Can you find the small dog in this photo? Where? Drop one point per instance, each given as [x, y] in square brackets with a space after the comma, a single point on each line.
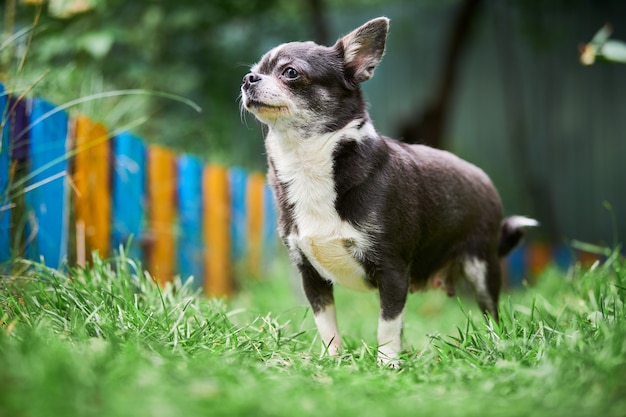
[362, 210]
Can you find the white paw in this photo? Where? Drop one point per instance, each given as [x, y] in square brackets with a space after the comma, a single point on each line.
[388, 357]
[332, 349]
[389, 362]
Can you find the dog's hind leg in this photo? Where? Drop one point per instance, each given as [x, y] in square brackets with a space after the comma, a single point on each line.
[485, 278]
[319, 292]
[393, 289]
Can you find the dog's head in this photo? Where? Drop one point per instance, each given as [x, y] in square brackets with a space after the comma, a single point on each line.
[311, 89]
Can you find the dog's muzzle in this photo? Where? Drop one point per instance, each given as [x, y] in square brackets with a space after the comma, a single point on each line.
[249, 80]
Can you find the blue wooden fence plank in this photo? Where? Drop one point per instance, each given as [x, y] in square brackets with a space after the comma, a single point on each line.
[46, 189]
[269, 238]
[20, 129]
[128, 193]
[563, 256]
[190, 248]
[5, 212]
[516, 266]
[238, 180]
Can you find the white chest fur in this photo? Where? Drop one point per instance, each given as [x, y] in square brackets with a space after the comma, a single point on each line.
[330, 244]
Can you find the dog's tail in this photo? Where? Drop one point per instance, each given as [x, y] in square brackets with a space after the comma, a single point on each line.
[512, 231]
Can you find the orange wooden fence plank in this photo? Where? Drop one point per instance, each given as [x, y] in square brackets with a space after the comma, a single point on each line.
[91, 178]
[538, 256]
[587, 259]
[216, 207]
[161, 213]
[254, 209]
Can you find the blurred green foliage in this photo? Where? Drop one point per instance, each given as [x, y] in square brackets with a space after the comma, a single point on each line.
[194, 48]
[602, 47]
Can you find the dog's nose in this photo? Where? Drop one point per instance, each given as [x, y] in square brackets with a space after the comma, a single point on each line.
[251, 78]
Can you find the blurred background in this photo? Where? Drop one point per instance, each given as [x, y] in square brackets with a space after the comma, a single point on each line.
[499, 82]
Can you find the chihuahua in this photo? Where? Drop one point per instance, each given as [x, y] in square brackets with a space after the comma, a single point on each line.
[362, 210]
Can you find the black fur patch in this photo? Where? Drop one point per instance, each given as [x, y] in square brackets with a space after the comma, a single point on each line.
[355, 165]
[318, 290]
[424, 207]
[286, 222]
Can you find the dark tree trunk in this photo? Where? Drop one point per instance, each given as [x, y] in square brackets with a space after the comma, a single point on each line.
[537, 189]
[428, 125]
[319, 23]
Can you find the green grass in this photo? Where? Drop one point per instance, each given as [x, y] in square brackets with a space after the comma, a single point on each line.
[108, 342]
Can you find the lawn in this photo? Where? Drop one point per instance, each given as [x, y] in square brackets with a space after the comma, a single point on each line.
[106, 341]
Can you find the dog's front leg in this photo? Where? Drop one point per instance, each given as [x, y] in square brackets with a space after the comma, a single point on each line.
[393, 290]
[319, 292]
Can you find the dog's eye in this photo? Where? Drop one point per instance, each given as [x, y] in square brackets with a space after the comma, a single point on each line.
[290, 73]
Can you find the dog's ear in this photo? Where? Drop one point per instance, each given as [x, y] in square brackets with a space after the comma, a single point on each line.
[363, 48]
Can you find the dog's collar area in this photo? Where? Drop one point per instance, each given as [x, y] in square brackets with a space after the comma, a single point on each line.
[357, 130]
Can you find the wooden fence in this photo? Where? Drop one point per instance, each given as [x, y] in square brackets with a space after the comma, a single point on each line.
[82, 191]
[86, 191]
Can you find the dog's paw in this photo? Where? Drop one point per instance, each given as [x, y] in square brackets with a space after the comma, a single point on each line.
[389, 360]
[332, 350]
